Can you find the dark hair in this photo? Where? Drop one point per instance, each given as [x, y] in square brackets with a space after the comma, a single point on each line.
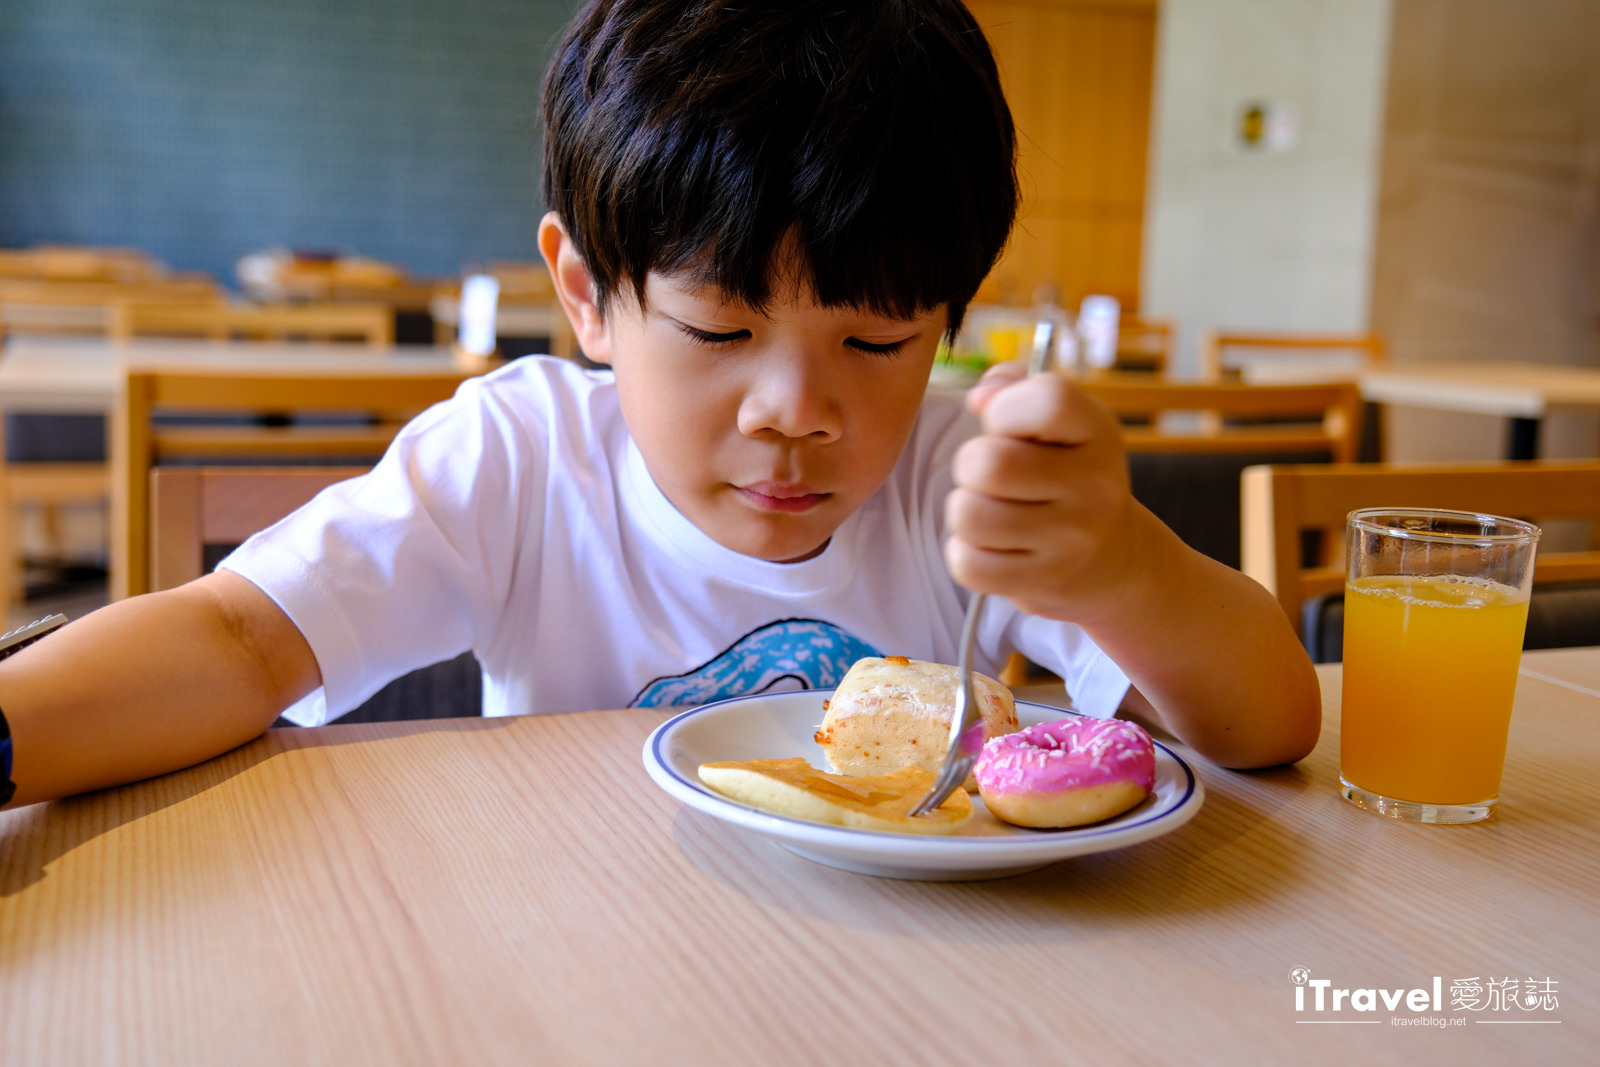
[704, 136]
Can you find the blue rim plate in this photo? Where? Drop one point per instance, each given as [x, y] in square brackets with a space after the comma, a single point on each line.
[779, 725]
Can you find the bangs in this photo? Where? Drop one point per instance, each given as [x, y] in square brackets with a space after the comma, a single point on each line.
[735, 148]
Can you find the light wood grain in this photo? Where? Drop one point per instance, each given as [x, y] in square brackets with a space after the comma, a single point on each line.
[193, 507]
[61, 375]
[1078, 76]
[1326, 417]
[389, 394]
[371, 323]
[517, 891]
[1368, 348]
[1517, 390]
[1512, 390]
[78, 263]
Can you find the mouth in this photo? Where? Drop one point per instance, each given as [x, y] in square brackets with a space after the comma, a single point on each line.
[787, 497]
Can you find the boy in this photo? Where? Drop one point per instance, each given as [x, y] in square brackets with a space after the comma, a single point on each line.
[764, 217]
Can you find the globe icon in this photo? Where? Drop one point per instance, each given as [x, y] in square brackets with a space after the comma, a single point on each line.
[1300, 975]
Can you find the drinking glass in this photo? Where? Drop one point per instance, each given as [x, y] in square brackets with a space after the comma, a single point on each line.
[1435, 607]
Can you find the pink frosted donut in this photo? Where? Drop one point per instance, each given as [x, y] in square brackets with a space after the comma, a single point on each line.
[1067, 773]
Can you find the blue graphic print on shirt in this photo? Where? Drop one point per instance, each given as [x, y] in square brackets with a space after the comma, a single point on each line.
[791, 654]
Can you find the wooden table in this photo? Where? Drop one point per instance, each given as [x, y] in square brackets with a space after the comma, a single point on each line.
[78, 375]
[1523, 393]
[517, 891]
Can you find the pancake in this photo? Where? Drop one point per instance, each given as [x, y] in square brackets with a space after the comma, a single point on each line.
[794, 788]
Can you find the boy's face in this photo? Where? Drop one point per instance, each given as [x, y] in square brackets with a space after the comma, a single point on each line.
[766, 430]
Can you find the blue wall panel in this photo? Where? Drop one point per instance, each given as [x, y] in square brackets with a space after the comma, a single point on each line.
[199, 130]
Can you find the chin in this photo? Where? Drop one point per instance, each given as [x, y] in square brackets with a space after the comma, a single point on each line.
[783, 551]
[780, 547]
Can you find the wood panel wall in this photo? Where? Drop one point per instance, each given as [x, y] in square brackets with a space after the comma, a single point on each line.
[1078, 74]
[1488, 238]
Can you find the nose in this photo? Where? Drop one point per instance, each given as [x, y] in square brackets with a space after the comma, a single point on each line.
[794, 395]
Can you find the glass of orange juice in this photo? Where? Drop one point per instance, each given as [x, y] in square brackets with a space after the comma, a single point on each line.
[1434, 611]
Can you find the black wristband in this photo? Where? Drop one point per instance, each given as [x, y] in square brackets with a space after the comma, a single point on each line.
[10, 644]
[8, 788]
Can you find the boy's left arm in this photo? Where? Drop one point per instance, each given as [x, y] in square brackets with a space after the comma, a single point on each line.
[1042, 514]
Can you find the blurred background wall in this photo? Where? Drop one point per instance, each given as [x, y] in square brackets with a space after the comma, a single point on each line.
[1439, 181]
[1078, 76]
[1275, 235]
[1488, 227]
[202, 129]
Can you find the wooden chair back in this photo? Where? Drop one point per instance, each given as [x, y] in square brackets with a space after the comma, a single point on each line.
[528, 299]
[193, 508]
[1144, 345]
[527, 307]
[372, 324]
[1234, 418]
[201, 508]
[1278, 503]
[68, 290]
[1215, 347]
[386, 397]
[523, 280]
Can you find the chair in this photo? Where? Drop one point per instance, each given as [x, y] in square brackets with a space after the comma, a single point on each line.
[1281, 504]
[55, 461]
[370, 323]
[1232, 417]
[48, 485]
[527, 310]
[1144, 345]
[1188, 475]
[1214, 362]
[196, 508]
[198, 511]
[383, 399]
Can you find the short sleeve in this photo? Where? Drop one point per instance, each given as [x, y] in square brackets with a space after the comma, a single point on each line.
[1093, 680]
[408, 564]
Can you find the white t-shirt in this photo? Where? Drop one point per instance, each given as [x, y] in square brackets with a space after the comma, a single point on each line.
[518, 520]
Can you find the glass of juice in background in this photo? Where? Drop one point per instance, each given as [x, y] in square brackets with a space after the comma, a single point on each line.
[1434, 611]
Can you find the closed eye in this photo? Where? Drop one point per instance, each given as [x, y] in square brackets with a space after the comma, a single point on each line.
[884, 348]
[706, 337]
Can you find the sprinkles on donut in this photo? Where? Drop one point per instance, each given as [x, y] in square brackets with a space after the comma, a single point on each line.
[1066, 773]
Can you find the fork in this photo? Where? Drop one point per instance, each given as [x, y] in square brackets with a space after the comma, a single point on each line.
[966, 725]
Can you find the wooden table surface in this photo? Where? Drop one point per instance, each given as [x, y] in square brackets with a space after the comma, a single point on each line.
[517, 891]
[1512, 390]
[79, 375]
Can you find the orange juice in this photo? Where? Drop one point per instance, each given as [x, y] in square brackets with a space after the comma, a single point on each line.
[1430, 666]
[1004, 344]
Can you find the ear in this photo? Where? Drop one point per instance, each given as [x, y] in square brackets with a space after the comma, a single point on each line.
[575, 289]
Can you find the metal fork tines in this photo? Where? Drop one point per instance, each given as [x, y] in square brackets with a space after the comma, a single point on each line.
[966, 725]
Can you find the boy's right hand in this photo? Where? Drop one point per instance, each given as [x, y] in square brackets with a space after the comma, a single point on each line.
[1041, 512]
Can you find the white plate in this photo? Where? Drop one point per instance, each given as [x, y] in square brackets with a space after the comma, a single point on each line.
[779, 725]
